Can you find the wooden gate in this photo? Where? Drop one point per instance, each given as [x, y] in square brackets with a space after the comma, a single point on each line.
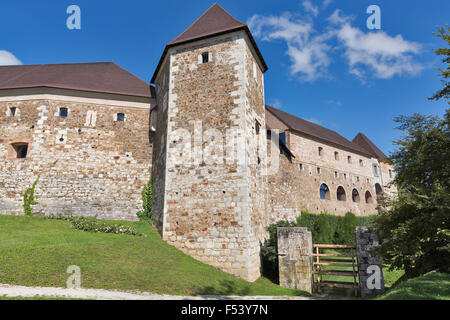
[346, 263]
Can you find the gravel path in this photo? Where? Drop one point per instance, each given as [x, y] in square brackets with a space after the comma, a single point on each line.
[101, 294]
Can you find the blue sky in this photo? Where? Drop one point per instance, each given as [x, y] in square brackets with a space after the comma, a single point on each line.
[325, 65]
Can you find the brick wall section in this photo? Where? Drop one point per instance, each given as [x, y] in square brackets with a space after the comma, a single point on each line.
[96, 170]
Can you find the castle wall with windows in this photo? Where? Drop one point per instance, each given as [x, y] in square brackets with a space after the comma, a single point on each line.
[91, 151]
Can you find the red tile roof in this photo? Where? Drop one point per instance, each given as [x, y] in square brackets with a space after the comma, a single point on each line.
[215, 21]
[313, 130]
[369, 146]
[104, 77]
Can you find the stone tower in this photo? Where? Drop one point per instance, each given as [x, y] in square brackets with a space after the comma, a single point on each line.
[209, 156]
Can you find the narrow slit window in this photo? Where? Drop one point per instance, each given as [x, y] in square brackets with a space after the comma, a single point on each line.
[257, 127]
[12, 111]
[336, 156]
[63, 112]
[349, 159]
[320, 150]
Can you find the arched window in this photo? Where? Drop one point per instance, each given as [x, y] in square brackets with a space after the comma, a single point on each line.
[324, 192]
[368, 197]
[355, 195]
[378, 189]
[341, 194]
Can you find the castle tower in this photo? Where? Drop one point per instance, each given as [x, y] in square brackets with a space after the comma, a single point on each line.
[209, 153]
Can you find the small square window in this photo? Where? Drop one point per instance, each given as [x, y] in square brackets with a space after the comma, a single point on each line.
[21, 150]
[121, 117]
[205, 57]
[12, 111]
[63, 112]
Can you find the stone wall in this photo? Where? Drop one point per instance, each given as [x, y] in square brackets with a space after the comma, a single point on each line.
[211, 199]
[370, 268]
[295, 187]
[89, 163]
[295, 261]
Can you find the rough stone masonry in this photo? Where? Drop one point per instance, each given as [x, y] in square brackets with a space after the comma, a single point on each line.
[94, 133]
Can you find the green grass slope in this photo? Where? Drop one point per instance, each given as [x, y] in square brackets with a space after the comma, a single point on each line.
[36, 252]
[432, 286]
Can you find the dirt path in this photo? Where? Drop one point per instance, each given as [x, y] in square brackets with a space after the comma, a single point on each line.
[101, 294]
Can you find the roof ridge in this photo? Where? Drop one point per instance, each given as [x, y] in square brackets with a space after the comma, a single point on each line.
[58, 64]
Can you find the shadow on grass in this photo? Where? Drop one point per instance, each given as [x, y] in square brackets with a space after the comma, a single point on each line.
[225, 288]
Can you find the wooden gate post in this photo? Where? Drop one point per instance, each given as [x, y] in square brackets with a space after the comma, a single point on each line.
[370, 270]
[295, 258]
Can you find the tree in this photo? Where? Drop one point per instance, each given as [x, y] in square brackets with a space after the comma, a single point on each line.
[415, 230]
[444, 33]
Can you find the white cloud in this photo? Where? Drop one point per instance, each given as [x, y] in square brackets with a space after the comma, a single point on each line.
[334, 102]
[384, 56]
[371, 53]
[307, 52]
[314, 120]
[8, 59]
[276, 103]
[326, 3]
[309, 7]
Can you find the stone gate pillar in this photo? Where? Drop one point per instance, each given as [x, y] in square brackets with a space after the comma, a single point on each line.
[370, 270]
[295, 258]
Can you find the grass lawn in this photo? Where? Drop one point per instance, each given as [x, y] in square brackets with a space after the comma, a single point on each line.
[432, 286]
[36, 252]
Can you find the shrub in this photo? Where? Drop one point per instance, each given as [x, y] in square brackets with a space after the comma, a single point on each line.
[94, 225]
[323, 230]
[147, 202]
[345, 229]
